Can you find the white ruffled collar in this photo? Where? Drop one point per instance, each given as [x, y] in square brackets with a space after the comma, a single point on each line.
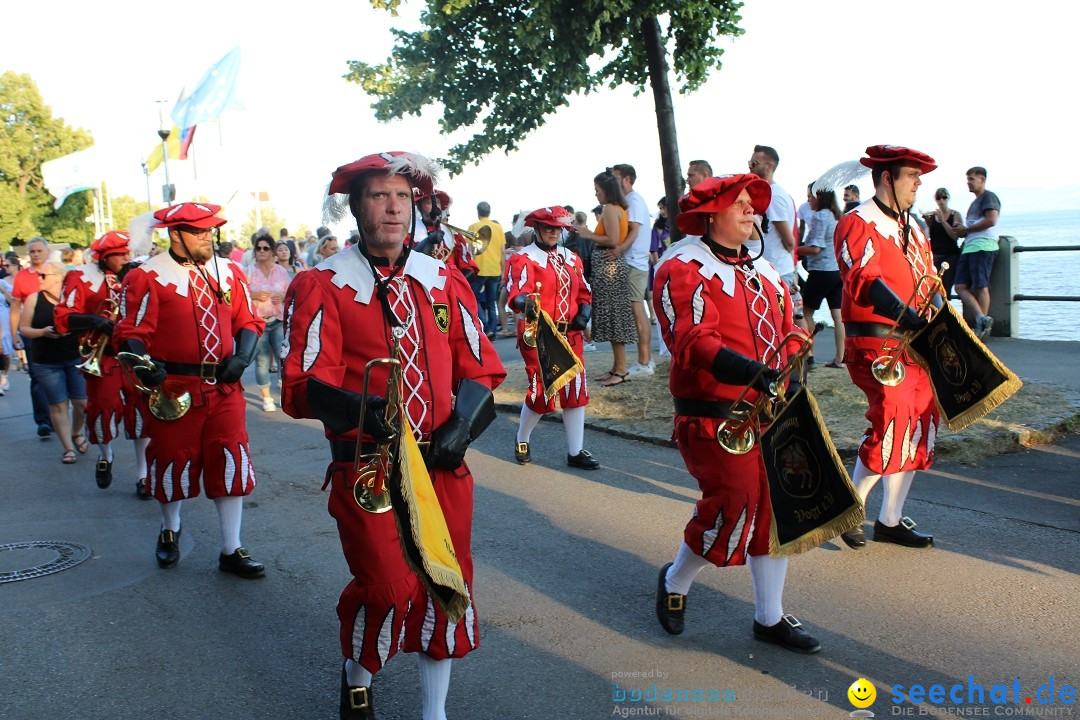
[351, 269]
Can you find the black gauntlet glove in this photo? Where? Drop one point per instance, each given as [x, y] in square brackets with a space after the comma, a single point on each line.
[473, 412]
[339, 410]
[428, 244]
[81, 322]
[232, 368]
[149, 378]
[886, 303]
[524, 303]
[734, 368]
[581, 320]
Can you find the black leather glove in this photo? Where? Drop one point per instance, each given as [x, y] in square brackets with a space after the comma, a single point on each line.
[232, 368]
[339, 410]
[473, 412]
[148, 377]
[84, 322]
[886, 302]
[734, 368]
[427, 245]
[581, 320]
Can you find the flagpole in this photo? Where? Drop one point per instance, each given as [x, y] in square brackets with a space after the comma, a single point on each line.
[108, 201]
[163, 133]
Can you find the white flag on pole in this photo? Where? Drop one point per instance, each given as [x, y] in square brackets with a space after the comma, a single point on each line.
[69, 174]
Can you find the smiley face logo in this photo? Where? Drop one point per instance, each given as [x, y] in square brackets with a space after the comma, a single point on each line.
[862, 693]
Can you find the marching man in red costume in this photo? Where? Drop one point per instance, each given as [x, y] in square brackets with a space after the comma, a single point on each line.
[443, 243]
[190, 312]
[566, 297]
[882, 255]
[90, 296]
[340, 316]
[723, 314]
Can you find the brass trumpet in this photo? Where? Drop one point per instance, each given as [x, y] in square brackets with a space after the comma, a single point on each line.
[170, 401]
[887, 369]
[528, 335]
[477, 241]
[93, 347]
[372, 470]
[739, 438]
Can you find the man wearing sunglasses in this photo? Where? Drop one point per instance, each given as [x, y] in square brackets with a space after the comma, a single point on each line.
[25, 283]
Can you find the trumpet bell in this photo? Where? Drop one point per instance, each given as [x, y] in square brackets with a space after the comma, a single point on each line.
[736, 442]
[91, 366]
[528, 335]
[887, 371]
[171, 402]
[364, 491]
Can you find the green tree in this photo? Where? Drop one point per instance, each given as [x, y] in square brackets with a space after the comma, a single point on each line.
[270, 219]
[124, 208]
[509, 64]
[29, 136]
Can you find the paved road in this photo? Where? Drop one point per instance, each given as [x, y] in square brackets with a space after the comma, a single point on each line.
[566, 565]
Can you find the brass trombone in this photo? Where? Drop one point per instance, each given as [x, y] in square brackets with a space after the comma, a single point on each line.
[887, 368]
[528, 335]
[93, 347]
[170, 401]
[372, 470]
[738, 434]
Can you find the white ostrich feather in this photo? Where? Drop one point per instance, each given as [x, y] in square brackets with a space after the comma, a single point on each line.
[415, 164]
[840, 176]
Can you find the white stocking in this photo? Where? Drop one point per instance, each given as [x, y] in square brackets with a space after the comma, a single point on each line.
[682, 572]
[230, 512]
[105, 451]
[170, 516]
[356, 675]
[527, 423]
[863, 480]
[897, 486]
[434, 684]
[574, 423]
[767, 574]
[140, 457]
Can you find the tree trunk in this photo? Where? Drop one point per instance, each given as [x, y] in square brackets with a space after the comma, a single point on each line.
[665, 119]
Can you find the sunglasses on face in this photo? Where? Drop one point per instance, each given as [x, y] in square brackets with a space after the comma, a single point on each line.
[262, 247]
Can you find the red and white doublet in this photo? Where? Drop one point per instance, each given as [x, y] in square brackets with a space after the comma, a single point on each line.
[563, 290]
[705, 304]
[903, 419]
[110, 400]
[334, 325]
[174, 312]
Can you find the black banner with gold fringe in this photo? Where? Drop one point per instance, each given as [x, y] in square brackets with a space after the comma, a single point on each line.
[558, 363]
[967, 379]
[812, 497]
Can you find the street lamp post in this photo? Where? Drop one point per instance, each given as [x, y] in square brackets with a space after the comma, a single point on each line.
[168, 192]
[149, 201]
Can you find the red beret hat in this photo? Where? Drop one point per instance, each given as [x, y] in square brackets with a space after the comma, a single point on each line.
[111, 243]
[198, 215]
[444, 199]
[420, 171]
[550, 216]
[717, 193]
[882, 154]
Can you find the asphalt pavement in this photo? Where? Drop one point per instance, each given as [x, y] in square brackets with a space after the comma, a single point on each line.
[566, 566]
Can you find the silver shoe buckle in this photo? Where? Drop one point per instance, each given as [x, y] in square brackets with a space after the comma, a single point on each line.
[792, 621]
[907, 523]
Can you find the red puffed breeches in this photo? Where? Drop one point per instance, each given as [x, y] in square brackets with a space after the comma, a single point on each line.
[732, 518]
[208, 445]
[385, 608]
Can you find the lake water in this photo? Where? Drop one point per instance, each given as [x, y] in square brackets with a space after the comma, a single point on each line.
[1042, 273]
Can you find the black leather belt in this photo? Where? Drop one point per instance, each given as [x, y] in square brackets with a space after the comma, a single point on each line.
[344, 451]
[562, 326]
[203, 370]
[867, 329]
[702, 408]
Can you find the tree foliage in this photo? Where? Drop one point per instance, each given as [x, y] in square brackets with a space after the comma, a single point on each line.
[30, 136]
[268, 215]
[509, 64]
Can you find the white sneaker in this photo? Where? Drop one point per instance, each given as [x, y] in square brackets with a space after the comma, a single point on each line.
[268, 404]
[639, 369]
[589, 347]
[4, 384]
[983, 326]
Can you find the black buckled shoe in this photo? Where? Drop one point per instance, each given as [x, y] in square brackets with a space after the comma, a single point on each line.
[902, 534]
[788, 634]
[583, 460]
[103, 474]
[356, 702]
[168, 548]
[521, 453]
[240, 563]
[670, 607]
[142, 489]
[854, 538]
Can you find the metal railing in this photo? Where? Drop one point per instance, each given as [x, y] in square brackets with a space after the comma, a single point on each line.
[1005, 282]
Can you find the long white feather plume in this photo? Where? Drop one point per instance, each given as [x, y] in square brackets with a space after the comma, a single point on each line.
[415, 164]
[335, 207]
[840, 176]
